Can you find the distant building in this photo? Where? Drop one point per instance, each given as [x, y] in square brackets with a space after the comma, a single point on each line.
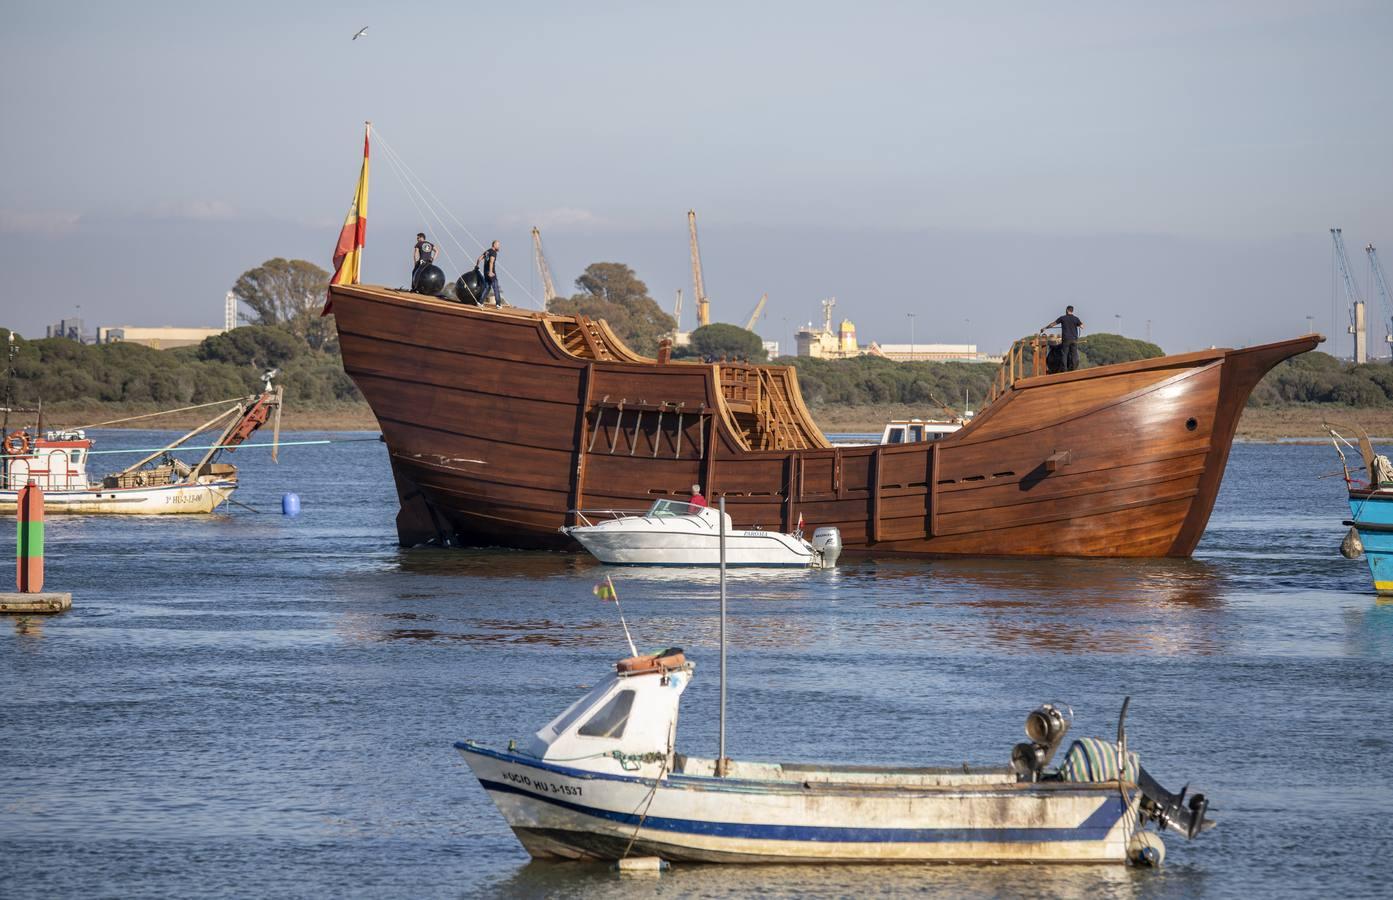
[931, 353]
[771, 348]
[157, 338]
[67, 328]
[824, 343]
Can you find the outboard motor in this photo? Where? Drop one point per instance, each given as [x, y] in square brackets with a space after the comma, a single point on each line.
[430, 280]
[828, 542]
[470, 288]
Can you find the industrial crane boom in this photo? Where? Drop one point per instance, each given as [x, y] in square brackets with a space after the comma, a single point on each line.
[548, 289]
[1356, 311]
[754, 316]
[702, 301]
[1381, 283]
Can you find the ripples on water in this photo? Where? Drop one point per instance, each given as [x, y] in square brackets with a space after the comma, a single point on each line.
[248, 704]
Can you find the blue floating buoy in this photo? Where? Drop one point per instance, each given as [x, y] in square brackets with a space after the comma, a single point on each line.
[290, 504]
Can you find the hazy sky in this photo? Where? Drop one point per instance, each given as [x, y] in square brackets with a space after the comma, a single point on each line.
[977, 165]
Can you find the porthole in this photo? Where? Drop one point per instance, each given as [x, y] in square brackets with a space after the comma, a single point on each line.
[1191, 424]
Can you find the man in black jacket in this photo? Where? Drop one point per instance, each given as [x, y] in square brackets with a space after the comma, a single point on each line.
[1069, 327]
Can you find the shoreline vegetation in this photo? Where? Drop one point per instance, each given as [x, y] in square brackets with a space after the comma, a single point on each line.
[1303, 422]
[93, 384]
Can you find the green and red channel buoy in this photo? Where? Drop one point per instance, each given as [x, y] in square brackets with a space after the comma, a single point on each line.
[29, 552]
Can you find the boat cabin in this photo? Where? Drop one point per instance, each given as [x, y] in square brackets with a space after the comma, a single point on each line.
[912, 431]
[631, 713]
[56, 462]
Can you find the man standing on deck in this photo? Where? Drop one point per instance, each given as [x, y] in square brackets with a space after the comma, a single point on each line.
[488, 268]
[423, 255]
[697, 503]
[1069, 327]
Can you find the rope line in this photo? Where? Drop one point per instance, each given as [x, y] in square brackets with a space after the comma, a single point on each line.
[219, 447]
[412, 189]
[163, 412]
[425, 187]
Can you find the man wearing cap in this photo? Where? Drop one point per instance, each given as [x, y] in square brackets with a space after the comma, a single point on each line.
[697, 503]
[423, 255]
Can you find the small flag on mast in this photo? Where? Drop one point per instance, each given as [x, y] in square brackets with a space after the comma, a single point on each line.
[348, 252]
[605, 591]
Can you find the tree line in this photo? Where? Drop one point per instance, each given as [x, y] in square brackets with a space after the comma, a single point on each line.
[284, 298]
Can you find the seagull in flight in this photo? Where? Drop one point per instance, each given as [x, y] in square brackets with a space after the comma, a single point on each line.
[361, 32]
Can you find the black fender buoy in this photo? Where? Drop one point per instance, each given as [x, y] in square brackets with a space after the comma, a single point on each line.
[430, 280]
[470, 287]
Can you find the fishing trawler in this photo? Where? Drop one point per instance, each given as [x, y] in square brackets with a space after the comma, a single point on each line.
[158, 484]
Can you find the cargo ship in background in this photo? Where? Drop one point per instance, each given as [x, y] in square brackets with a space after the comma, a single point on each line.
[502, 423]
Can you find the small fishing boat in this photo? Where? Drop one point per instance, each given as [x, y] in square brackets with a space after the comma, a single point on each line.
[674, 533]
[158, 484]
[603, 780]
[1370, 494]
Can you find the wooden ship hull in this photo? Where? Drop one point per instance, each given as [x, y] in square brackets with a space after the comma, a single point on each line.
[501, 423]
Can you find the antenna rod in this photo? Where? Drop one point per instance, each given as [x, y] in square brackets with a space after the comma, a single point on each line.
[721, 753]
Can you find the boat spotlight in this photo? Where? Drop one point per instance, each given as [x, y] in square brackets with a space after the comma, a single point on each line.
[1046, 727]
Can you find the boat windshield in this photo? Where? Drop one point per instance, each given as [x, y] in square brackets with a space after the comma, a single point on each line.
[662, 508]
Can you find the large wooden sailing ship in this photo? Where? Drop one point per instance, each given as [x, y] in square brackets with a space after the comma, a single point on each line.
[501, 423]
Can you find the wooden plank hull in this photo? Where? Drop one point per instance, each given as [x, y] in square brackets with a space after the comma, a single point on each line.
[497, 431]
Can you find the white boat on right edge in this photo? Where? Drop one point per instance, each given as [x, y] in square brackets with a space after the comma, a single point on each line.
[671, 533]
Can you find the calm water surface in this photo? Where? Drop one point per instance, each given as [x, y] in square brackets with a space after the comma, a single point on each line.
[245, 704]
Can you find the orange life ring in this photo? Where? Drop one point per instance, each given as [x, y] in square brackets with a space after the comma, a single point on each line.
[17, 443]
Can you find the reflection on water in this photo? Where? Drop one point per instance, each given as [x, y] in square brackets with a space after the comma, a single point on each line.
[594, 880]
[254, 704]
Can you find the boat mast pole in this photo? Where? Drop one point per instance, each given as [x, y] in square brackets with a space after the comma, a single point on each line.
[721, 753]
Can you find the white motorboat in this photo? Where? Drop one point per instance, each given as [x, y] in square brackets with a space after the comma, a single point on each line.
[673, 533]
[912, 431]
[603, 780]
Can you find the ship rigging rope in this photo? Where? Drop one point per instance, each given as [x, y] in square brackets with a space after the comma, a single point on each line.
[415, 183]
[375, 439]
[163, 412]
[412, 193]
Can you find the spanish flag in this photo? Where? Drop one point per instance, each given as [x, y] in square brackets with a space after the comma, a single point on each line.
[605, 591]
[348, 253]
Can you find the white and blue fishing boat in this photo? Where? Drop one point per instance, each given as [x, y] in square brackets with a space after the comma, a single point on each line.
[1371, 509]
[604, 780]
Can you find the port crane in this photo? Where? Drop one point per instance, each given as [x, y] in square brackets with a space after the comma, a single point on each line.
[1381, 285]
[1357, 325]
[548, 288]
[759, 310]
[703, 303]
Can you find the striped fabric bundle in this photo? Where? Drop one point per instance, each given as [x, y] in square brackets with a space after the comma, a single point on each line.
[1091, 760]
